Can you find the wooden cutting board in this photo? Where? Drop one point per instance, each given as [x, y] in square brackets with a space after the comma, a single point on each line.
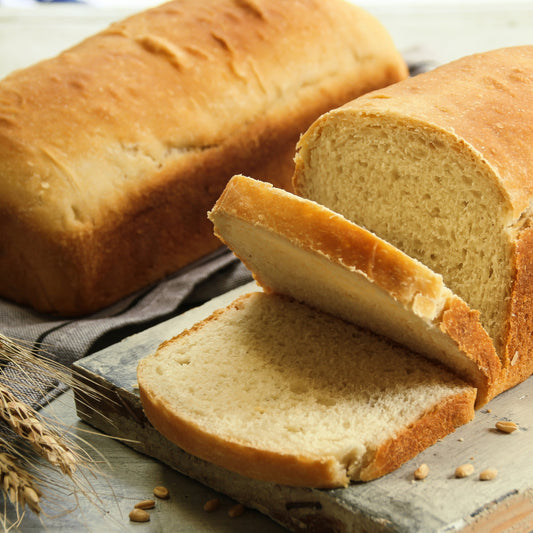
[394, 503]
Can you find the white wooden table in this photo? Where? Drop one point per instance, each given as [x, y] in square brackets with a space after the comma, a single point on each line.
[439, 31]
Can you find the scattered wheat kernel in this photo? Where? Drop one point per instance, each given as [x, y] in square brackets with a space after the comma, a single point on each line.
[460, 439]
[139, 515]
[212, 505]
[422, 471]
[161, 492]
[145, 504]
[506, 426]
[488, 474]
[464, 470]
[236, 510]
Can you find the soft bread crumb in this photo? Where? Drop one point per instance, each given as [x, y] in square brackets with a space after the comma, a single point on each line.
[330, 394]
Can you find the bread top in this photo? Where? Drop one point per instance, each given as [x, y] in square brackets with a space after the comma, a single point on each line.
[275, 390]
[301, 249]
[88, 132]
[485, 100]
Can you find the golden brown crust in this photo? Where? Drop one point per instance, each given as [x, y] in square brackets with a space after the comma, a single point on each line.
[463, 325]
[440, 421]
[495, 130]
[163, 108]
[518, 358]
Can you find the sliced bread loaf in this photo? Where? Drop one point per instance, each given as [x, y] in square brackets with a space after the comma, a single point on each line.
[299, 248]
[277, 391]
[440, 166]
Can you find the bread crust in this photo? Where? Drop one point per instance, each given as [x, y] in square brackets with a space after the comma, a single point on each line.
[518, 358]
[438, 422]
[341, 241]
[163, 108]
[317, 230]
[463, 325]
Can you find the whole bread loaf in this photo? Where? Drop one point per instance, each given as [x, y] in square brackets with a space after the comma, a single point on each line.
[281, 392]
[112, 152]
[301, 249]
[440, 165]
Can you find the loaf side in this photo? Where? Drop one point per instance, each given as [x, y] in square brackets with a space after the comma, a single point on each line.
[112, 152]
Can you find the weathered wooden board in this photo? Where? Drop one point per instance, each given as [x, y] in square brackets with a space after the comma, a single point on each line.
[394, 503]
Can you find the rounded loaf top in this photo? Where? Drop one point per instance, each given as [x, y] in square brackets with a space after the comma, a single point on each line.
[485, 100]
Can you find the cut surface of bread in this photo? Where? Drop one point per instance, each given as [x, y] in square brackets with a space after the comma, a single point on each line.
[277, 391]
[440, 166]
[301, 249]
[163, 108]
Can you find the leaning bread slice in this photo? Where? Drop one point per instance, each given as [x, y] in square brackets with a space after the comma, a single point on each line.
[278, 391]
[299, 248]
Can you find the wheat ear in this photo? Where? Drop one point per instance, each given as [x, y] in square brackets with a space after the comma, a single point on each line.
[18, 485]
[23, 421]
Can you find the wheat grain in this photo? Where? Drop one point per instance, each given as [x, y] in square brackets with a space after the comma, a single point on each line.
[23, 421]
[18, 484]
[24, 371]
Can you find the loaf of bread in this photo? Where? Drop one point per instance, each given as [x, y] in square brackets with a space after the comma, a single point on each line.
[112, 153]
[301, 249]
[441, 165]
[278, 391]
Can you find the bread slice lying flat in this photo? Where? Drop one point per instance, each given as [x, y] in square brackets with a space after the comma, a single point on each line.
[278, 391]
[299, 248]
[440, 165]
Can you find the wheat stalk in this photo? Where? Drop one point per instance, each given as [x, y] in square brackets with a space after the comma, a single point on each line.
[18, 485]
[22, 371]
[23, 421]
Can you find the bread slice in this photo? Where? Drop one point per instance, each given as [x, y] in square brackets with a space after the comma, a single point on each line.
[299, 248]
[163, 108]
[440, 166]
[277, 391]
